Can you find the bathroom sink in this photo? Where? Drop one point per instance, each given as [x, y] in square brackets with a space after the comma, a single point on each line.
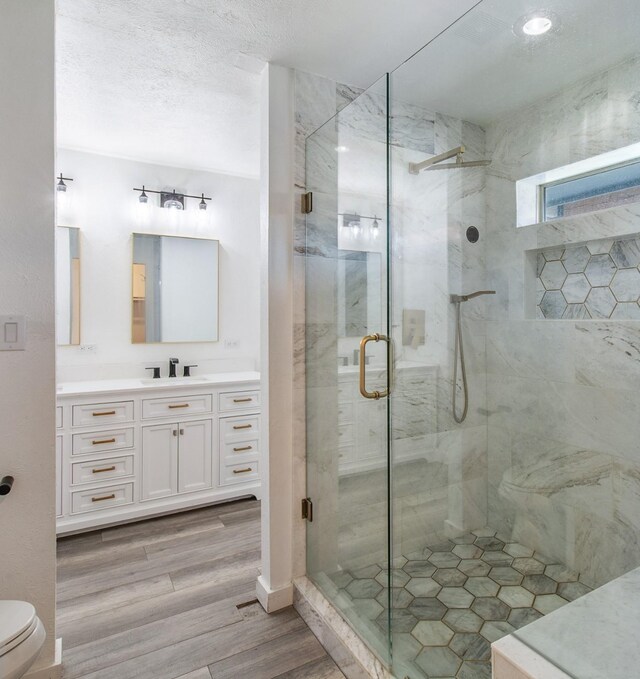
[167, 381]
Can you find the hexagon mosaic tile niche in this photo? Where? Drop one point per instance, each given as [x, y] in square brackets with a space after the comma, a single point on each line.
[600, 279]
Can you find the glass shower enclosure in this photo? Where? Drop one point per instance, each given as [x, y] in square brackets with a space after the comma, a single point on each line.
[472, 458]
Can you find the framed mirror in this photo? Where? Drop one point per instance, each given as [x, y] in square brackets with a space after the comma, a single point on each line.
[67, 281]
[174, 289]
[359, 292]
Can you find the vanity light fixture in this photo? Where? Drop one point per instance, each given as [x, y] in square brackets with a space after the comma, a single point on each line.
[171, 199]
[61, 186]
[354, 221]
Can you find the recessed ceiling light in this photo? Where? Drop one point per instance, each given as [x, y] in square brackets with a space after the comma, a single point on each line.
[537, 26]
[342, 149]
[535, 23]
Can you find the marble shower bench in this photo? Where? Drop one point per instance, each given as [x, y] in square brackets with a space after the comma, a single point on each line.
[594, 637]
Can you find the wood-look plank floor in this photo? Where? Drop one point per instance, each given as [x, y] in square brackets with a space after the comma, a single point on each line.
[174, 598]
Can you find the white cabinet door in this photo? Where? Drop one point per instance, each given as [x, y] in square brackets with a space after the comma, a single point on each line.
[159, 461]
[58, 475]
[194, 456]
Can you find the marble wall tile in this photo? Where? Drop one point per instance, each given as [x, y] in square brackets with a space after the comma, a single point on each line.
[607, 354]
[530, 349]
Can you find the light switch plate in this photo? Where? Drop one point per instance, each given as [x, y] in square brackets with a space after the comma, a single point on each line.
[12, 333]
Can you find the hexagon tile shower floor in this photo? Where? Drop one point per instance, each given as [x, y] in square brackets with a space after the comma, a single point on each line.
[456, 596]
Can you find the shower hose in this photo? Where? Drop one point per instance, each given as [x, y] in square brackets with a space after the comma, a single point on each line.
[459, 351]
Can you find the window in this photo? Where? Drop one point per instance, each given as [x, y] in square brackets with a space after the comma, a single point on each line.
[596, 190]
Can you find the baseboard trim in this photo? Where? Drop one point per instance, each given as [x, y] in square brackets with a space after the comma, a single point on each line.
[273, 599]
[53, 671]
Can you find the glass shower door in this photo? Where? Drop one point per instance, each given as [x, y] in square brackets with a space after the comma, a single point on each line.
[346, 326]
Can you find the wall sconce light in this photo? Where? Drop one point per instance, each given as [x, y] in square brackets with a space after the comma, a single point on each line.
[61, 186]
[354, 222]
[171, 199]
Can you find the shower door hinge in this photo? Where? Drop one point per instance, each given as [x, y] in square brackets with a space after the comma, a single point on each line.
[307, 203]
[307, 509]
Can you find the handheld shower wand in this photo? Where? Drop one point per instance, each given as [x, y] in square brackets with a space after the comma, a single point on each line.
[459, 349]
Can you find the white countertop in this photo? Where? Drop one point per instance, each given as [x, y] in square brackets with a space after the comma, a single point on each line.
[145, 384]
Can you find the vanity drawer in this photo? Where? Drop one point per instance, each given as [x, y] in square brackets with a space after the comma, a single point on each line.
[176, 407]
[238, 400]
[101, 470]
[59, 421]
[345, 413]
[239, 428]
[345, 434]
[102, 441]
[239, 473]
[97, 414]
[247, 449]
[101, 498]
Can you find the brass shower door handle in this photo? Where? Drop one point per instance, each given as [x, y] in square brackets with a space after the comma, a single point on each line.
[376, 337]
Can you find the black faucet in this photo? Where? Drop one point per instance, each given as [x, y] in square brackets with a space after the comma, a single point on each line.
[172, 366]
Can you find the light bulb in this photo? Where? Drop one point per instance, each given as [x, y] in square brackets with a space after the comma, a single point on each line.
[61, 186]
[202, 205]
[143, 198]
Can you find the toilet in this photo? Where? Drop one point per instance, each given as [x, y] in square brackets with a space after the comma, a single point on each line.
[21, 638]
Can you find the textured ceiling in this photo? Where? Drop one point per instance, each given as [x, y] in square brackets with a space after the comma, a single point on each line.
[177, 81]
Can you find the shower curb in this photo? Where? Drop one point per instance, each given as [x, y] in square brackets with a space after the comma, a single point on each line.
[346, 648]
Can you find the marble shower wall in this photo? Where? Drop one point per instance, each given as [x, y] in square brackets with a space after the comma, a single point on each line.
[563, 398]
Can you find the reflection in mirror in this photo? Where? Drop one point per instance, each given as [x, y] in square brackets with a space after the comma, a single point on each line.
[359, 292]
[175, 289]
[67, 285]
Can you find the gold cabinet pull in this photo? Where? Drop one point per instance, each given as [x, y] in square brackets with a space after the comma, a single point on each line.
[104, 497]
[99, 442]
[242, 400]
[106, 412]
[105, 469]
[376, 337]
[239, 450]
[242, 426]
[242, 471]
[180, 405]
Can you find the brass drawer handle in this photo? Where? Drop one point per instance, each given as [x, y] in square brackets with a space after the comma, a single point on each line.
[107, 412]
[242, 471]
[106, 469]
[242, 426]
[239, 450]
[181, 405]
[101, 441]
[242, 400]
[105, 497]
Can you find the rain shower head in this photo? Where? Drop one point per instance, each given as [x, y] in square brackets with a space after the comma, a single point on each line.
[434, 163]
[456, 299]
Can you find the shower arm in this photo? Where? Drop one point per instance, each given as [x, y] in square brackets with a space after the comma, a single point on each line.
[433, 163]
[456, 299]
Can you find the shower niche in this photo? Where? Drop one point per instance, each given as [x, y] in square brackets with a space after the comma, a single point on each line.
[599, 279]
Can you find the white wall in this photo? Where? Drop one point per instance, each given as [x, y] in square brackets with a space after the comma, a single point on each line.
[104, 207]
[27, 392]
